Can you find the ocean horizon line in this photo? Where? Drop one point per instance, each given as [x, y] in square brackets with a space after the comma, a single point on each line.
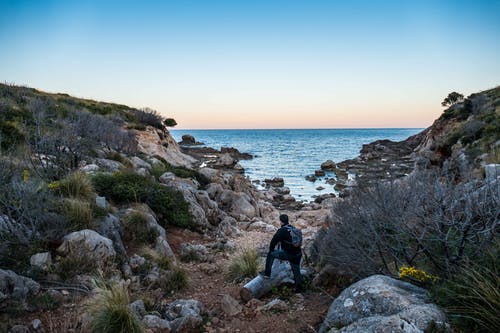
[298, 129]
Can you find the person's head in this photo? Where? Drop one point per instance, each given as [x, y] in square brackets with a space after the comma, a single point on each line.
[284, 219]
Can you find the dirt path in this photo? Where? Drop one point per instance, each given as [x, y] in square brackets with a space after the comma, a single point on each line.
[209, 283]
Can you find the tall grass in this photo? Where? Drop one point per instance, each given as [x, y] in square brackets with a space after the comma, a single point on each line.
[472, 296]
[110, 313]
[136, 228]
[78, 213]
[176, 279]
[244, 264]
[75, 185]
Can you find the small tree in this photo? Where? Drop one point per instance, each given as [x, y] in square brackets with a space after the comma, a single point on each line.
[170, 122]
[452, 99]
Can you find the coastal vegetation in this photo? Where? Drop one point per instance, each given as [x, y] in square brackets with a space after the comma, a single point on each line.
[81, 197]
[437, 227]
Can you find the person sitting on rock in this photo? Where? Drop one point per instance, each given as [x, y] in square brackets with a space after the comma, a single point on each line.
[291, 251]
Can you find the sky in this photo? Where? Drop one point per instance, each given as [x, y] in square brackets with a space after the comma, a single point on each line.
[259, 63]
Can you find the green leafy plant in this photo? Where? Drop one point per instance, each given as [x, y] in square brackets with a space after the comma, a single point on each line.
[284, 293]
[167, 203]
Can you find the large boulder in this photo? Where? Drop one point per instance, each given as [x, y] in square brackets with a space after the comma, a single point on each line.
[153, 142]
[381, 304]
[16, 288]
[156, 324]
[241, 205]
[189, 140]
[225, 161]
[185, 315]
[109, 165]
[139, 163]
[213, 175]
[89, 244]
[41, 260]
[212, 212]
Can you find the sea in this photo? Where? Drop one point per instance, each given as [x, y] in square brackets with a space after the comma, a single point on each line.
[292, 154]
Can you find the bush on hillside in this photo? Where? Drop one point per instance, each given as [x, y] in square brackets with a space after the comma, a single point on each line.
[148, 117]
[136, 229]
[167, 203]
[180, 171]
[423, 221]
[174, 280]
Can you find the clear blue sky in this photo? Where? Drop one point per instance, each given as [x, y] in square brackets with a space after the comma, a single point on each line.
[257, 64]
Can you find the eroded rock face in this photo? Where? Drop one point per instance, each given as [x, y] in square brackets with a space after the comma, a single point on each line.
[381, 304]
[90, 244]
[151, 143]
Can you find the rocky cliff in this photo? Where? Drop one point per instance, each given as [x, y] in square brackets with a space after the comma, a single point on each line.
[465, 139]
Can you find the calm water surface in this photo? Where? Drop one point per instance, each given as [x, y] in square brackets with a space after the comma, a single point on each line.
[294, 153]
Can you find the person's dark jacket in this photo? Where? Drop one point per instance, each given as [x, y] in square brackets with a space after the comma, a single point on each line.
[283, 235]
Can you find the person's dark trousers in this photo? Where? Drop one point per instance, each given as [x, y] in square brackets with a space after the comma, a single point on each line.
[294, 261]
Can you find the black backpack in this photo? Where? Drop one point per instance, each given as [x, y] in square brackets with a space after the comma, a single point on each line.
[296, 235]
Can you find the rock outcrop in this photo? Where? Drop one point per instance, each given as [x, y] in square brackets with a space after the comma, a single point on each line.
[89, 244]
[16, 288]
[380, 303]
[151, 143]
[185, 315]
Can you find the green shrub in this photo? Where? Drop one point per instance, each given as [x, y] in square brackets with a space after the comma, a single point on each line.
[159, 169]
[10, 134]
[78, 213]
[174, 280]
[116, 156]
[138, 127]
[182, 172]
[75, 185]
[168, 204]
[284, 293]
[109, 312]
[190, 255]
[136, 229]
[472, 296]
[244, 264]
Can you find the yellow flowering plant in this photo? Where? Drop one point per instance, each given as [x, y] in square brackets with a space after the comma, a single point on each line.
[411, 273]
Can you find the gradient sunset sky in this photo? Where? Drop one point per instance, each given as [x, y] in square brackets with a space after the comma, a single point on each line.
[257, 64]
